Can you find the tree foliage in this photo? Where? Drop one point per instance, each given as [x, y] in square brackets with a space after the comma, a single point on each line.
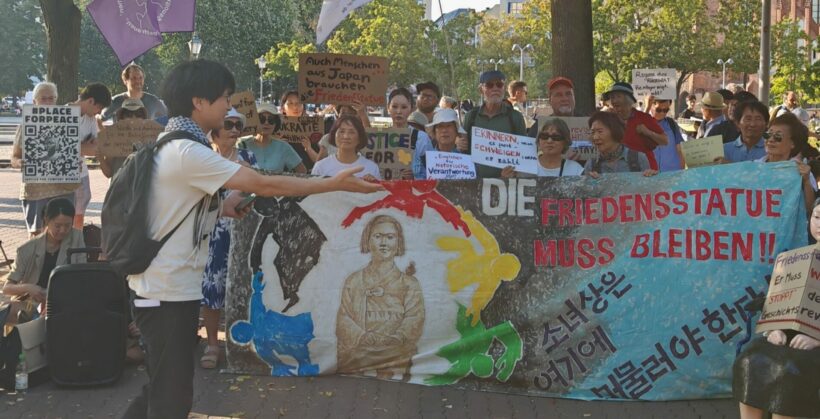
[23, 53]
[792, 69]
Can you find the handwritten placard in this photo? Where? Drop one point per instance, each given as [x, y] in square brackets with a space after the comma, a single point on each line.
[390, 149]
[579, 132]
[120, 139]
[659, 82]
[793, 300]
[449, 166]
[245, 104]
[499, 149]
[51, 144]
[295, 129]
[342, 79]
[703, 151]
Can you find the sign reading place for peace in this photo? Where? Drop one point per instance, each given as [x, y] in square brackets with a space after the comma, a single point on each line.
[659, 82]
[342, 79]
[245, 104]
[391, 149]
[623, 287]
[51, 144]
[122, 138]
[298, 128]
[500, 149]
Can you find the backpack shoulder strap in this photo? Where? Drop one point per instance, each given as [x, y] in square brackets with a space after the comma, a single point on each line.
[173, 135]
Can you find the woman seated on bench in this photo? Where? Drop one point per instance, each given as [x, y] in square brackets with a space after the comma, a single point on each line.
[36, 258]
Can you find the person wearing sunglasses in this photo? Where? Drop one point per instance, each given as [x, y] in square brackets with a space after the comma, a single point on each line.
[494, 114]
[669, 156]
[787, 139]
[553, 143]
[271, 154]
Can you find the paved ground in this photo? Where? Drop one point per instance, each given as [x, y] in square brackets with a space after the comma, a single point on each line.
[226, 395]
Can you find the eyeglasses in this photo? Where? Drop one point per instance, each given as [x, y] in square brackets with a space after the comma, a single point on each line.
[661, 110]
[267, 119]
[229, 125]
[551, 137]
[773, 136]
[497, 84]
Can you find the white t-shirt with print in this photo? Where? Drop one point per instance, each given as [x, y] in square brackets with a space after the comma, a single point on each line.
[571, 168]
[331, 165]
[184, 173]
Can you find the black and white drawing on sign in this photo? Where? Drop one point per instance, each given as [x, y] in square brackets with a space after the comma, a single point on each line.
[51, 144]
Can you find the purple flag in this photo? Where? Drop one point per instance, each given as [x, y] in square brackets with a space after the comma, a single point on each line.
[129, 26]
[175, 15]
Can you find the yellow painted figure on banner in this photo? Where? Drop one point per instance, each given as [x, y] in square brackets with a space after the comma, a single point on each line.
[381, 315]
[487, 268]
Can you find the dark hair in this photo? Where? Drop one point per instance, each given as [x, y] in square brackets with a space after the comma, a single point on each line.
[562, 128]
[364, 244]
[799, 133]
[752, 105]
[198, 78]
[57, 207]
[727, 94]
[744, 96]
[611, 121]
[285, 97]
[126, 72]
[277, 121]
[400, 91]
[98, 92]
[357, 123]
[340, 107]
[141, 114]
[691, 97]
[515, 86]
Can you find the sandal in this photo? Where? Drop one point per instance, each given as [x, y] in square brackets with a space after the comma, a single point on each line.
[210, 358]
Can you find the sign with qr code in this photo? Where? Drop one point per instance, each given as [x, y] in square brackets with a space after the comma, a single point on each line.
[51, 144]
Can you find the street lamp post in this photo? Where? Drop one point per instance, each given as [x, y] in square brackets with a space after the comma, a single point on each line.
[521, 62]
[496, 62]
[194, 46]
[262, 64]
[724, 64]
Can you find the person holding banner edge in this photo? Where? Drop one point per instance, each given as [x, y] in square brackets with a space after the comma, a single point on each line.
[780, 372]
[613, 157]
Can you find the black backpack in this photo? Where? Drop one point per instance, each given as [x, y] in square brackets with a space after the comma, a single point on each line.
[125, 236]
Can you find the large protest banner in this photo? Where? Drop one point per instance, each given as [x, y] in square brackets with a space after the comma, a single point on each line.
[391, 149]
[342, 79]
[624, 287]
[51, 144]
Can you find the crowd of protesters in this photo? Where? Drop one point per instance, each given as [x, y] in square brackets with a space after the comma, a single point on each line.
[625, 138]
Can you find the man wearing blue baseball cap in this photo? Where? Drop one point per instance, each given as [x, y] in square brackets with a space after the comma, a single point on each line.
[495, 114]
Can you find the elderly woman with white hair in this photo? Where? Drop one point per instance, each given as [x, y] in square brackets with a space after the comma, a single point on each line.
[443, 132]
[35, 196]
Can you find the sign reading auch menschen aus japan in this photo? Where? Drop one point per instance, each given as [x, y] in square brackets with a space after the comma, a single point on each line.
[342, 79]
[51, 144]
[623, 287]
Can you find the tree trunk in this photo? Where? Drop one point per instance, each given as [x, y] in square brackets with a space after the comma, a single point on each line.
[572, 49]
[62, 19]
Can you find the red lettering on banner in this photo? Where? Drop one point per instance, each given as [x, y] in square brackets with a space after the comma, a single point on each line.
[699, 245]
[566, 253]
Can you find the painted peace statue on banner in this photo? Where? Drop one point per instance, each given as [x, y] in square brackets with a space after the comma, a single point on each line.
[555, 287]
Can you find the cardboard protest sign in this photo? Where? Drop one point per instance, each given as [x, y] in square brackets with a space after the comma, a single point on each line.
[120, 139]
[793, 300]
[579, 132]
[689, 125]
[390, 149]
[659, 82]
[449, 166]
[499, 149]
[51, 144]
[296, 128]
[342, 79]
[702, 151]
[540, 286]
[245, 103]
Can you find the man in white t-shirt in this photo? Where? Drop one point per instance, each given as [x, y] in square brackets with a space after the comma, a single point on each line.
[93, 99]
[187, 177]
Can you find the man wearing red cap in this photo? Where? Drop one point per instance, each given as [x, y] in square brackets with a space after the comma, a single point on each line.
[562, 99]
